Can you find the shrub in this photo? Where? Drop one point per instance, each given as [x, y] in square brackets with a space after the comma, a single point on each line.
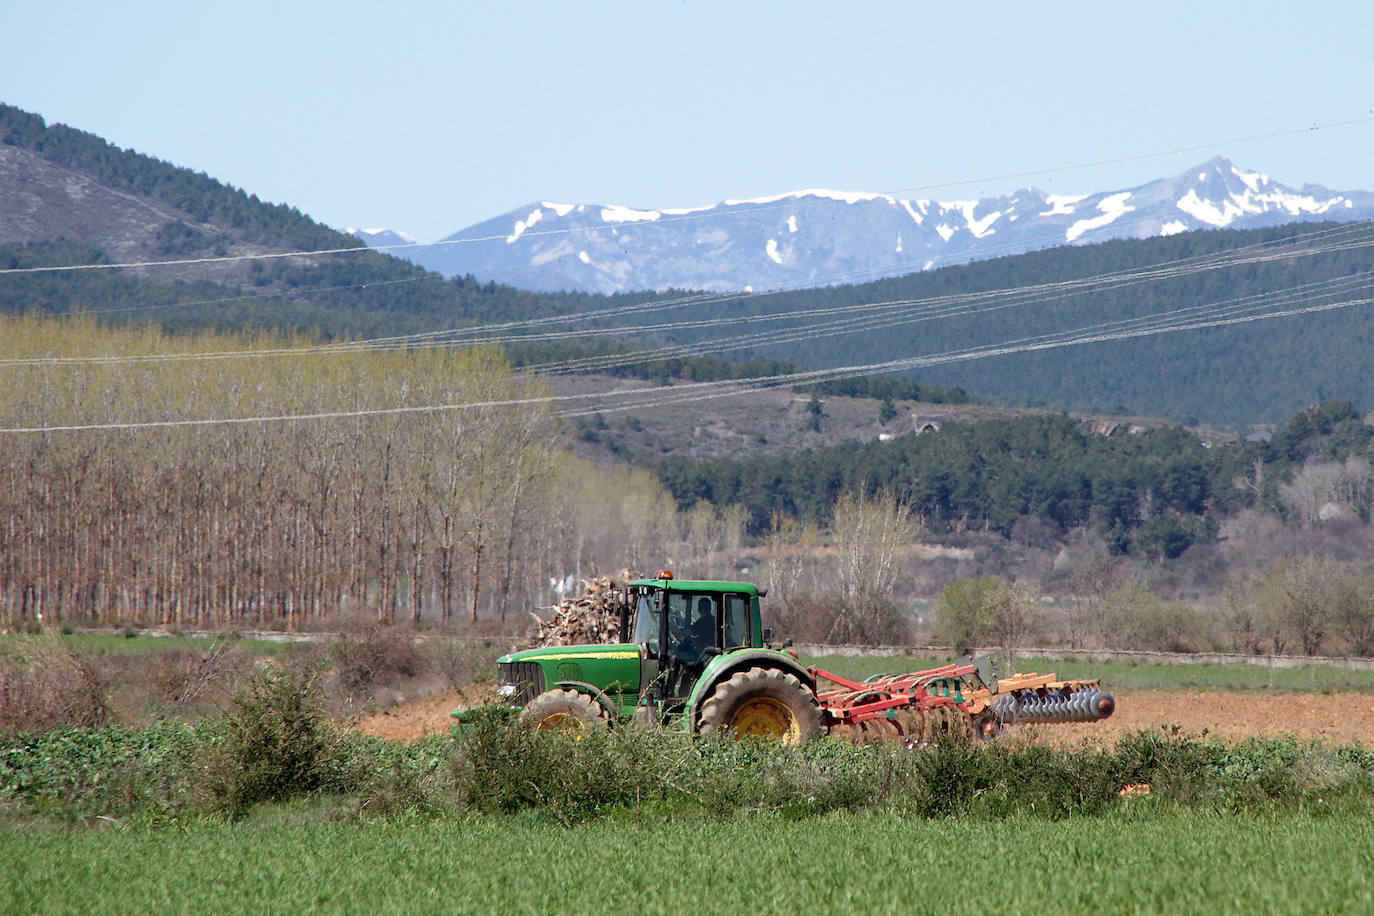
[275, 741]
[44, 685]
[984, 612]
[374, 654]
[181, 676]
[507, 765]
[1133, 618]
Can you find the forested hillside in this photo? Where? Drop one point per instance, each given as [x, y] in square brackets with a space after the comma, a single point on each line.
[198, 196]
[1153, 493]
[128, 206]
[977, 326]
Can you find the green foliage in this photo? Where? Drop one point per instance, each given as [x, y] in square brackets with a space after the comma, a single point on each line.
[502, 767]
[507, 766]
[983, 612]
[110, 770]
[889, 388]
[1155, 493]
[962, 617]
[1133, 618]
[275, 743]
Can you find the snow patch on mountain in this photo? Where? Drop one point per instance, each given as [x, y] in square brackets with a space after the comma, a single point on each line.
[1112, 207]
[523, 224]
[381, 237]
[1062, 204]
[847, 197]
[616, 214]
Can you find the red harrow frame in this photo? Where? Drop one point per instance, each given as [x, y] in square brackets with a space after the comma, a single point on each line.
[953, 702]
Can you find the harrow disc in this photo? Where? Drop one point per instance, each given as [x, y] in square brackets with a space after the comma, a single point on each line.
[915, 728]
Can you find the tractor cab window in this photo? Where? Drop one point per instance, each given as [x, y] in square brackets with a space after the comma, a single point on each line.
[692, 626]
[736, 621]
[648, 614]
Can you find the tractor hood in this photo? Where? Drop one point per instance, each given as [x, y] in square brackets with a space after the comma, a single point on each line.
[613, 669]
[560, 654]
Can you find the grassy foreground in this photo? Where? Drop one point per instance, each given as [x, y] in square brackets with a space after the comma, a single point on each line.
[759, 862]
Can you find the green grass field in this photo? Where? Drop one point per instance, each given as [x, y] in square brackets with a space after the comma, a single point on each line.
[267, 807]
[1134, 861]
[134, 642]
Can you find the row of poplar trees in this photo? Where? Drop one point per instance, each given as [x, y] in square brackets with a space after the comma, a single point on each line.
[229, 480]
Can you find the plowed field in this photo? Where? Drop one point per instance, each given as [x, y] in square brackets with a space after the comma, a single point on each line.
[1340, 718]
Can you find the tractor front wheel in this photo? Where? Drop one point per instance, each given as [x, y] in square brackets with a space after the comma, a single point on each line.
[763, 704]
[564, 709]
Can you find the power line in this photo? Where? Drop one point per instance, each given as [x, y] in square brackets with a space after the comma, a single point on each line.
[671, 394]
[1341, 237]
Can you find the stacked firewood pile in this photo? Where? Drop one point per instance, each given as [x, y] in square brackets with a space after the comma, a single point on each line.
[586, 619]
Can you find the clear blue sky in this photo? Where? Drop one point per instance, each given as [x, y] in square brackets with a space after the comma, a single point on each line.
[430, 116]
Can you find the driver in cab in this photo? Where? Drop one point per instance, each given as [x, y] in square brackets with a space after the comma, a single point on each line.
[701, 634]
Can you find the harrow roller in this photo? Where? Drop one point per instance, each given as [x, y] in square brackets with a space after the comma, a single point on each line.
[1056, 707]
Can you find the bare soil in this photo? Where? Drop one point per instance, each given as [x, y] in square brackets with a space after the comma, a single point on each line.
[419, 718]
[1340, 718]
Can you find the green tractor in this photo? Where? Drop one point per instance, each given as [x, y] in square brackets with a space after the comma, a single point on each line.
[692, 654]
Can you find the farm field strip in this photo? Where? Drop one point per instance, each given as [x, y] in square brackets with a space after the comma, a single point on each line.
[1135, 861]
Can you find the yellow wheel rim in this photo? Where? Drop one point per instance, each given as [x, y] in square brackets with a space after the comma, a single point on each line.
[561, 722]
[765, 719]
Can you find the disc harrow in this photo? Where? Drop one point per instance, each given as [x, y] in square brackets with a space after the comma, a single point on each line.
[956, 702]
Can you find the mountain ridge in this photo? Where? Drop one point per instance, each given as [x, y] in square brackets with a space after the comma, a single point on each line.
[823, 237]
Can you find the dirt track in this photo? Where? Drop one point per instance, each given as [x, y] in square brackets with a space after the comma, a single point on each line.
[1340, 718]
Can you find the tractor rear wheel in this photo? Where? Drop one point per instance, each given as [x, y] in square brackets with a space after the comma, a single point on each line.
[564, 709]
[764, 704]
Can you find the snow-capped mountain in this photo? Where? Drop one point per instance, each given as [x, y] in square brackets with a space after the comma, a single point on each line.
[381, 238]
[814, 238]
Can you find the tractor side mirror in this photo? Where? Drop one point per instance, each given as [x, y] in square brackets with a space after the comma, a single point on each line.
[767, 635]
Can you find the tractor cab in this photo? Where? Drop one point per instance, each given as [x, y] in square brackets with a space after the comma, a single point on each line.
[679, 626]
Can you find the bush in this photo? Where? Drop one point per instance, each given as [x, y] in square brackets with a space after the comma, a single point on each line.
[44, 686]
[275, 742]
[865, 620]
[181, 676]
[374, 655]
[1133, 618]
[508, 765]
[984, 612]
